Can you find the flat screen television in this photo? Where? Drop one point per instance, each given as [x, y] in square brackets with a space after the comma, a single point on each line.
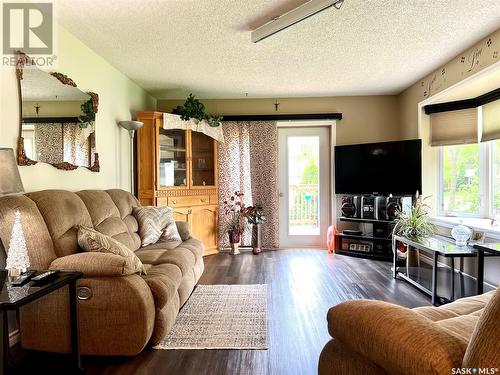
[382, 168]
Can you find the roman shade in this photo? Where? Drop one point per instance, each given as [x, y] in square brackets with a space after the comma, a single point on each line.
[454, 127]
[491, 121]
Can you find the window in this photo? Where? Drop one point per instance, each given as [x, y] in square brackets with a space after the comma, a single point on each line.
[495, 177]
[470, 179]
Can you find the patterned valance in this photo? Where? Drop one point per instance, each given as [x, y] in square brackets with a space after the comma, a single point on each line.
[171, 121]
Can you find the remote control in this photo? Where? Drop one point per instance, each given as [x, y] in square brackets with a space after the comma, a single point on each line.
[44, 277]
[23, 279]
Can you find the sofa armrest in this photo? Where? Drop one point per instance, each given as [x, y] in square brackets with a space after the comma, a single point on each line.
[396, 338]
[95, 264]
[184, 231]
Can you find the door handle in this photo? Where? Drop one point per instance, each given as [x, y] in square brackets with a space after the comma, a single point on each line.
[282, 195]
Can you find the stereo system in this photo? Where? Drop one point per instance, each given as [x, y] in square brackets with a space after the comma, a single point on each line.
[374, 207]
[351, 206]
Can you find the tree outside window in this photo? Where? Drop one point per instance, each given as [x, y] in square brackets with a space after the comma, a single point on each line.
[461, 176]
[495, 183]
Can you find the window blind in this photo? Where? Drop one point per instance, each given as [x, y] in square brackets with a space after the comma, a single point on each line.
[491, 121]
[454, 127]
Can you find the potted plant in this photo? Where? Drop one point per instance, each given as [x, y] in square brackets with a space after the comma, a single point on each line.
[256, 215]
[235, 209]
[193, 108]
[413, 223]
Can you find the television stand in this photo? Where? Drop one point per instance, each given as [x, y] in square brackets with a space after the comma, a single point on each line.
[373, 245]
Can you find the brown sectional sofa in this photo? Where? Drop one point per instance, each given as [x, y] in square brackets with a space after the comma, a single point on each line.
[374, 337]
[124, 313]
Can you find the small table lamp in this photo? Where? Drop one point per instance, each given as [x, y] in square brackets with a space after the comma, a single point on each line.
[11, 184]
[10, 179]
[131, 126]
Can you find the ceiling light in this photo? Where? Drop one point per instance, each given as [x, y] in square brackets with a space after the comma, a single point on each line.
[292, 17]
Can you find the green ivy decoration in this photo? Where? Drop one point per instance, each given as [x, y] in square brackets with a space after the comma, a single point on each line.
[88, 116]
[193, 108]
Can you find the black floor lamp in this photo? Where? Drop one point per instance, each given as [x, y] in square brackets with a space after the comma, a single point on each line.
[131, 126]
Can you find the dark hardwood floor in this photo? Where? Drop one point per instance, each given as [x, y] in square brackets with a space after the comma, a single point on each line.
[302, 286]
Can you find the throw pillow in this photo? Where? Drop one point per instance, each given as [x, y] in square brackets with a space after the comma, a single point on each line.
[156, 224]
[91, 240]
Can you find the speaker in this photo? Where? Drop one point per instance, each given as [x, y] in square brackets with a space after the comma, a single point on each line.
[395, 204]
[392, 207]
[367, 207]
[347, 207]
[356, 200]
[381, 208]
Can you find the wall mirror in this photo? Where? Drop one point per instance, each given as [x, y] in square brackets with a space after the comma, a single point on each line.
[57, 120]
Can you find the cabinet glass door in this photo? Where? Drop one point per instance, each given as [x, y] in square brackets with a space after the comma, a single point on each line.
[203, 159]
[173, 158]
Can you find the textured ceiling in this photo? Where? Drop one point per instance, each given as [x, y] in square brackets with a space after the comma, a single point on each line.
[173, 47]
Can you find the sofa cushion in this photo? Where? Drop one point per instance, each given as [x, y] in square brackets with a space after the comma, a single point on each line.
[396, 338]
[93, 241]
[106, 216]
[94, 264]
[184, 230]
[156, 224]
[38, 240]
[195, 246]
[434, 313]
[483, 350]
[461, 326]
[463, 306]
[62, 210]
[164, 280]
[182, 258]
[125, 202]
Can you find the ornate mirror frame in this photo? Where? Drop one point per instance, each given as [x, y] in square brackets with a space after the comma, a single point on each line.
[22, 61]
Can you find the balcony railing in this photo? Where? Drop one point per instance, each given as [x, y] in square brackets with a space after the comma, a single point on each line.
[304, 201]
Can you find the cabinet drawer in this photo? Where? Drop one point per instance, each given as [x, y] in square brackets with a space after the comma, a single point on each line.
[195, 200]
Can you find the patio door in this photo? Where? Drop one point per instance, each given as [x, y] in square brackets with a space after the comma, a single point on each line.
[304, 186]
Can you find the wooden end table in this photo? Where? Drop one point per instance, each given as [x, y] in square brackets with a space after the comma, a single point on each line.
[12, 298]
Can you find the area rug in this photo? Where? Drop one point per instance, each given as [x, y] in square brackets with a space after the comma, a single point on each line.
[221, 317]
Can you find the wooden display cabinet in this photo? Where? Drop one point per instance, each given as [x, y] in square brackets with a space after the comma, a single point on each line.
[178, 168]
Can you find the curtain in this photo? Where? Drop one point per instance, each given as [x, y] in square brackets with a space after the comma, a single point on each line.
[248, 162]
[48, 143]
[77, 144]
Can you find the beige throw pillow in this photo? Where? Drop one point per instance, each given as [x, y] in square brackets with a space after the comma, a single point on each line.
[157, 224]
[93, 241]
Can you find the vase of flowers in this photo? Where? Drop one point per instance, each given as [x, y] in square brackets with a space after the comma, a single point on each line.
[235, 209]
[256, 216]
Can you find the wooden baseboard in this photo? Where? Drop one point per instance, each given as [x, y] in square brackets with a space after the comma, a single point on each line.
[210, 252]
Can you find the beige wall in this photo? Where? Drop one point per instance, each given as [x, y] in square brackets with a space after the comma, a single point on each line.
[466, 65]
[119, 97]
[53, 108]
[480, 56]
[449, 77]
[365, 118]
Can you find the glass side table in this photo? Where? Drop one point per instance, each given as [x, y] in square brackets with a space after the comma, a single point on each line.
[436, 246]
[491, 249]
[12, 298]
